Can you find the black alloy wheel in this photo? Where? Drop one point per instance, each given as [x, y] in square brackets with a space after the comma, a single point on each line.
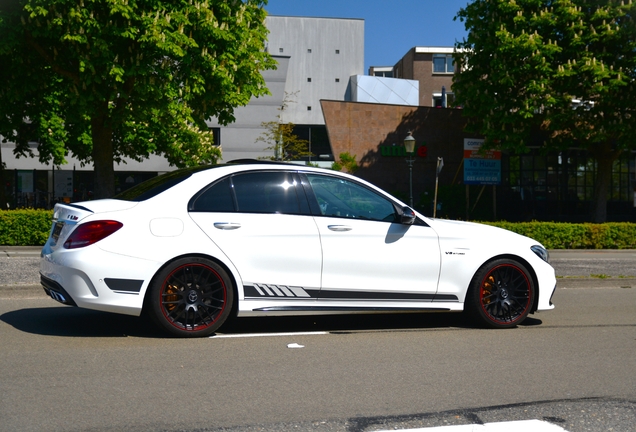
[191, 297]
[501, 294]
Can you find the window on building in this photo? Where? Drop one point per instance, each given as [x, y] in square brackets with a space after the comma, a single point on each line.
[309, 108]
[318, 141]
[437, 100]
[443, 63]
[337, 79]
[280, 50]
[337, 51]
[308, 79]
[216, 134]
[308, 50]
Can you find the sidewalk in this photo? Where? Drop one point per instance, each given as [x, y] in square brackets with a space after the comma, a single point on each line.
[20, 251]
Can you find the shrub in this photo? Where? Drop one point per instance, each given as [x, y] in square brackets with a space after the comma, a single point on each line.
[553, 235]
[24, 227]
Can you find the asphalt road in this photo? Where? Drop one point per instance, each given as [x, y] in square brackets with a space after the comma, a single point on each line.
[68, 369]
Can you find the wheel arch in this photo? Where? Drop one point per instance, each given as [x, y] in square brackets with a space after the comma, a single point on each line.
[229, 272]
[528, 267]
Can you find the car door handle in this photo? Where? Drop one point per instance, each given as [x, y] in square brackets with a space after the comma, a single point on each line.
[227, 225]
[339, 227]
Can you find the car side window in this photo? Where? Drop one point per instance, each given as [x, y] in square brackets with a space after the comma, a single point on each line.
[216, 198]
[343, 198]
[252, 192]
[266, 192]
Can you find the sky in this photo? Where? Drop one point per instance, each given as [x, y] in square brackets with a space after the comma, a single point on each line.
[391, 27]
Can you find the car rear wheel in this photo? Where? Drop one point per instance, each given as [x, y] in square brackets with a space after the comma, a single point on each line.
[501, 294]
[191, 297]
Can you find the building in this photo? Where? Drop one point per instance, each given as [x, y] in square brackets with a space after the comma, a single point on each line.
[316, 57]
[433, 68]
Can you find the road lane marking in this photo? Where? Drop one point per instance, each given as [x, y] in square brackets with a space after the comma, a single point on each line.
[516, 426]
[253, 335]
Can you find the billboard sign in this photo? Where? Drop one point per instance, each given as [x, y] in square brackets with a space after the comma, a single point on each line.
[481, 168]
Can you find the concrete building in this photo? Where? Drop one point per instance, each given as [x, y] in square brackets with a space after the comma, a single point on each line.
[316, 57]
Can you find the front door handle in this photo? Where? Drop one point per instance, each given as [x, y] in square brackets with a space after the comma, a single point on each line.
[227, 225]
[339, 228]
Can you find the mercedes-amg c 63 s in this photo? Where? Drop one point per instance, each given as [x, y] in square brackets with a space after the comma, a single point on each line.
[195, 246]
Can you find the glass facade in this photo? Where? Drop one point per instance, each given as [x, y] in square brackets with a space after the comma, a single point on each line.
[560, 186]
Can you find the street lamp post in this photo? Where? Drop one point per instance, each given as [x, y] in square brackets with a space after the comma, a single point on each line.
[409, 146]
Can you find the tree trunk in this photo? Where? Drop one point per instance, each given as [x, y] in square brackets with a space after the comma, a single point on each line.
[104, 172]
[605, 157]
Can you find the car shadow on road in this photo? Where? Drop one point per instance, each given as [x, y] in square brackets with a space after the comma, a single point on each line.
[77, 322]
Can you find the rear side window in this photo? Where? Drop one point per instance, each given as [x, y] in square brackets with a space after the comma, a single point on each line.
[253, 192]
[216, 198]
[155, 186]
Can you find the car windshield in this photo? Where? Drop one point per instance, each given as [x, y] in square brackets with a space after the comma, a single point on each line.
[155, 186]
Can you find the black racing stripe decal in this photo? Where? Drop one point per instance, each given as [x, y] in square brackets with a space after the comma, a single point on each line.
[288, 292]
[374, 295]
[279, 291]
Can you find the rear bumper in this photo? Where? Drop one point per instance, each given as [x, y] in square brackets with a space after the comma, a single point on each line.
[56, 292]
[96, 279]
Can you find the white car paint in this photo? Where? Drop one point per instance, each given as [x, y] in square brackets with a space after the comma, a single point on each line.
[281, 256]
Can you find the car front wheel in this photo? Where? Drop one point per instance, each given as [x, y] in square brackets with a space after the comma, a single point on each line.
[191, 297]
[501, 294]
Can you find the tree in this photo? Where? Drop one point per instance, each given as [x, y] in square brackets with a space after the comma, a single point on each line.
[107, 79]
[346, 161]
[280, 136]
[564, 70]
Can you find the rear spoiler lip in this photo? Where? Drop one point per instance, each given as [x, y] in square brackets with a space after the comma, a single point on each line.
[79, 207]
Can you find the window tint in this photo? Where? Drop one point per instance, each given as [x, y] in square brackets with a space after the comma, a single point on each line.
[217, 198]
[156, 185]
[266, 192]
[343, 198]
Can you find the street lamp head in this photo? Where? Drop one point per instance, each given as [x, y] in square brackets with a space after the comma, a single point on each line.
[409, 143]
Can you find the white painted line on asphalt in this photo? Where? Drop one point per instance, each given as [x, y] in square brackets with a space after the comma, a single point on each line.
[516, 426]
[252, 335]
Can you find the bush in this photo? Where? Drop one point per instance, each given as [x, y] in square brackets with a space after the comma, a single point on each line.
[553, 235]
[25, 227]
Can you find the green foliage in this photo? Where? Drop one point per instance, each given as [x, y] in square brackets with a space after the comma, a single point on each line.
[553, 235]
[26, 227]
[118, 78]
[347, 162]
[526, 61]
[282, 141]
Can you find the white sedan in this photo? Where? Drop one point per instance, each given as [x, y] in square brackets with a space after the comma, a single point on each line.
[195, 246]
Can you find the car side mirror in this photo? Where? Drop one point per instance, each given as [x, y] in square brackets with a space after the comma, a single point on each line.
[407, 216]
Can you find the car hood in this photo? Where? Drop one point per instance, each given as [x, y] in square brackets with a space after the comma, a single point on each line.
[458, 234]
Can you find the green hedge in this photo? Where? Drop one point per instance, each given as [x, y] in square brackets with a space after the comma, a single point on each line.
[553, 235]
[30, 227]
[26, 227]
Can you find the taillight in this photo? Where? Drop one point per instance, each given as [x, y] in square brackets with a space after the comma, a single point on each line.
[91, 232]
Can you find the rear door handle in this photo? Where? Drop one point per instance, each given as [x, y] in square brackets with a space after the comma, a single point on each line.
[227, 225]
[339, 227]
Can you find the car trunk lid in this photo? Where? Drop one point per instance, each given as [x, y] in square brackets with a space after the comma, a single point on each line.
[67, 216]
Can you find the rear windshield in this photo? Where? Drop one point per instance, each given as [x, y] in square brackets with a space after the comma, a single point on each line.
[155, 186]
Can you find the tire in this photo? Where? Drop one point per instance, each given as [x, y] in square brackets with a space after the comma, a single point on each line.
[501, 294]
[191, 297]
